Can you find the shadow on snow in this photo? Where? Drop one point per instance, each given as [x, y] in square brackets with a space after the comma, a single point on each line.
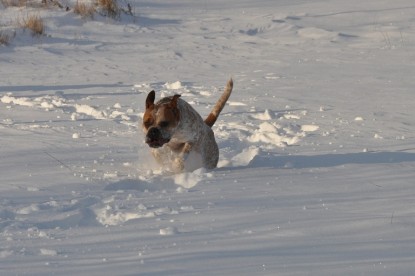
[330, 160]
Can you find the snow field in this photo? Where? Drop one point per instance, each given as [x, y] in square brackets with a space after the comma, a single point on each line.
[316, 142]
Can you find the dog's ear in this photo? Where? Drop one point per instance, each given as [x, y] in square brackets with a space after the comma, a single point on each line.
[150, 99]
[173, 102]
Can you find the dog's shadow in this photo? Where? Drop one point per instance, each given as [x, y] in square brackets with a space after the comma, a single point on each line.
[169, 183]
[328, 160]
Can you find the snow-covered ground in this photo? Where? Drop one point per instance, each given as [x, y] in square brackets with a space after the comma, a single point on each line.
[317, 142]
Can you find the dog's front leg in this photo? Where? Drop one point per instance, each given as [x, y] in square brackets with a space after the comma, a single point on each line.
[178, 163]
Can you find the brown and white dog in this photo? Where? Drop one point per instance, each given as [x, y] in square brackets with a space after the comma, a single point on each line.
[177, 133]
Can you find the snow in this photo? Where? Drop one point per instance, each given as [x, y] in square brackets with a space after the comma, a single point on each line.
[169, 231]
[173, 86]
[317, 152]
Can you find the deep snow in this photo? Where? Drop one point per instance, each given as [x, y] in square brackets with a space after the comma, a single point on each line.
[317, 140]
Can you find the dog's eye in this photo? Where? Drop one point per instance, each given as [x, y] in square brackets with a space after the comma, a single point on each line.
[164, 124]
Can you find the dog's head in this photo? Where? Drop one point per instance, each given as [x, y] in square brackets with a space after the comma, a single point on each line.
[160, 120]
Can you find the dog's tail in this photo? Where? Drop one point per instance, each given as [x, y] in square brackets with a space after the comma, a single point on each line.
[214, 114]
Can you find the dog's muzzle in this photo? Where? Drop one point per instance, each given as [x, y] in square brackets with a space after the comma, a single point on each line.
[155, 139]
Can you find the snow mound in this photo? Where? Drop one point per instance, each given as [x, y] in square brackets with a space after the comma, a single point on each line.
[69, 107]
[265, 116]
[309, 128]
[232, 103]
[23, 101]
[48, 252]
[169, 231]
[189, 179]
[273, 134]
[245, 157]
[173, 85]
[108, 216]
[90, 111]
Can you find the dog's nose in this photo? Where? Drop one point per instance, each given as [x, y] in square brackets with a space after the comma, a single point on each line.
[153, 133]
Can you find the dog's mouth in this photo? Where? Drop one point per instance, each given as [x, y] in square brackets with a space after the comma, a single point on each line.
[155, 138]
[156, 143]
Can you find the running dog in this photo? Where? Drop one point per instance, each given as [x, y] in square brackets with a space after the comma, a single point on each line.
[176, 133]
